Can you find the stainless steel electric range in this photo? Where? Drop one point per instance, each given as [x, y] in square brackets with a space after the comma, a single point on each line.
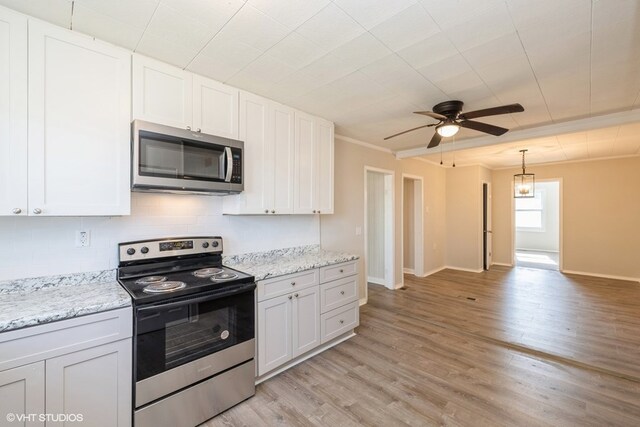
[194, 330]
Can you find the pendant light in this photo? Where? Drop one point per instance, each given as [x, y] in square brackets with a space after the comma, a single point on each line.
[524, 183]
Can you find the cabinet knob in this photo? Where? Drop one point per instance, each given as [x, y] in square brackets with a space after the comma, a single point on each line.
[188, 127]
[266, 211]
[341, 271]
[37, 211]
[198, 130]
[273, 211]
[341, 292]
[295, 295]
[341, 321]
[290, 297]
[293, 283]
[318, 210]
[314, 211]
[17, 211]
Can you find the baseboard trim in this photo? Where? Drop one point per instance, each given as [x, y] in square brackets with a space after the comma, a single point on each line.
[603, 276]
[469, 270]
[398, 285]
[503, 264]
[376, 281]
[408, 271]
[434, 271]
[362, 302]
[537, 250]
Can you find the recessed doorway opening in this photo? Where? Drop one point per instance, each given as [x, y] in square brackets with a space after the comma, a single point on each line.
[412, 225]
[537, 228]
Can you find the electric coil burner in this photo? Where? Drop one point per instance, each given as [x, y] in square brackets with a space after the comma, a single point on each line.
[194, 323]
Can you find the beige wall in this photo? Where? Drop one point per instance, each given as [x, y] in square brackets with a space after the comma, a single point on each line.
[464, 216]
[338, 231]
[600, 215]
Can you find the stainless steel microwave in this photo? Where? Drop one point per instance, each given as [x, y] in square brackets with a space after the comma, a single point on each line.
[168, 159]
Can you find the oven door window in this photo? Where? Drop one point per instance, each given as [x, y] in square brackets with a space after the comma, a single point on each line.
[180, 159]
[167, 338]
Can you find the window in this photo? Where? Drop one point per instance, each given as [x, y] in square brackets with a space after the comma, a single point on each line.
[530, 213]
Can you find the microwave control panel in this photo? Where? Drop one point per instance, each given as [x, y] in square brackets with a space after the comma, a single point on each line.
[236, 175]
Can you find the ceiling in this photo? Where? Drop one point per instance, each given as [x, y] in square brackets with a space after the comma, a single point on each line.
[368, 64]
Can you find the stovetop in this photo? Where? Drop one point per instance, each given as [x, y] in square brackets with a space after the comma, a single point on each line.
[192, 283]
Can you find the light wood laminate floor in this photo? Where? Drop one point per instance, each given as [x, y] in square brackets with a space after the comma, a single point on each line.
[428, 355]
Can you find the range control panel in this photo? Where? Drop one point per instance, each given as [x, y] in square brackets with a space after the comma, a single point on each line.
[162, 248]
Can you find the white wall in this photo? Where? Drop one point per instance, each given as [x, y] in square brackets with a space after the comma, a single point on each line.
[38, 246]
[375, 224]
[549, 238]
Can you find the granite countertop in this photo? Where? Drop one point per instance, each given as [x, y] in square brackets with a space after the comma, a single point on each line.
[28, 302]
[263, 265]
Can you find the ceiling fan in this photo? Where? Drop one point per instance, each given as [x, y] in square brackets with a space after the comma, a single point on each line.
[450, 120]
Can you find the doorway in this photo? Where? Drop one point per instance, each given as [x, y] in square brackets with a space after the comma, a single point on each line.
[379, 220]
[537, 227]
[412, 225]
[487, 234]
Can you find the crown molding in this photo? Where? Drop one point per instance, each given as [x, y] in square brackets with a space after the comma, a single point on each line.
[362, 143]
[554, 129]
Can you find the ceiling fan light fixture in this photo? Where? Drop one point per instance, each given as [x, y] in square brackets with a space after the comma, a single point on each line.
[447, 129]
[524, 183]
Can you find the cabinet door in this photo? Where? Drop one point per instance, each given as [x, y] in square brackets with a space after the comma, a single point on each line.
[257, 197]
[95, 382]
[162, 93]
[13, 113]
[306, 320]
[79, 115]
[283, 155]
[325, 166]
[215, 108]
[21, 393]
[274, 333]
[305, 184]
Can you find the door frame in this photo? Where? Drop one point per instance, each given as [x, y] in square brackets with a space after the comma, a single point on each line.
[560, 225]
[390, 261]
[483, 255]
[418, 225]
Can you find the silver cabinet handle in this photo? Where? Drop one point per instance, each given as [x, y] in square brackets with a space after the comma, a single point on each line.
[17, 211]
[341, 321]
[314, 211]
[341, 292]
[266, 211]
[341, 271]
[318, 210]
[188, 127]
[37, 211]
[290, 297]
[293, 283]
[295, 295]
[198, 130]
[273, 211]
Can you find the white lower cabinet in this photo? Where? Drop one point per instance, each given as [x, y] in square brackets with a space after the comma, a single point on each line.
[299, 312]
[79, 368]
[22, 393]
[93, 383]
[288, 326]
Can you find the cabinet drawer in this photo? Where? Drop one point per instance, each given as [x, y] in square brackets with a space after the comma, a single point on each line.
[338, 293]
[338, 271]
[53, 339]
[339, 321]
[282, 285]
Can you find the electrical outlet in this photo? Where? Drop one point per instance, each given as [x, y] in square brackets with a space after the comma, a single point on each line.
[358, 231]
[83, 238]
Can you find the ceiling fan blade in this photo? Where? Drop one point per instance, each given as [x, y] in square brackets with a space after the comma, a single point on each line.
[505, 109]
[483, 127]
[435, 140]
[431, 114]
[407, 131]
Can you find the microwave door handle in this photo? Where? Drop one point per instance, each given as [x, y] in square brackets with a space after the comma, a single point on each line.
[227, 151]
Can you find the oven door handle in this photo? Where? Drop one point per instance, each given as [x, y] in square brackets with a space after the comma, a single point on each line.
[241, 289]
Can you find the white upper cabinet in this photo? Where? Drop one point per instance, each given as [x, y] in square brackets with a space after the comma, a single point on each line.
[162, 93]
[78, 125]
[13, 113]
[215, 108]
[314, 145]
[170, 96]
[267, 129]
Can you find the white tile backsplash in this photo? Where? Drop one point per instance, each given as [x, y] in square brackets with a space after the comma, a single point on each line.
[38, 246]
